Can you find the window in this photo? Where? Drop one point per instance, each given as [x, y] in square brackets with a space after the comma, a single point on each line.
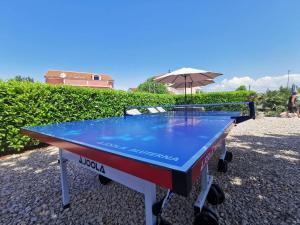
[96, 77]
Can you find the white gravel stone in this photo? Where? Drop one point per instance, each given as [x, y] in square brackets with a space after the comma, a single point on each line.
[261, 185]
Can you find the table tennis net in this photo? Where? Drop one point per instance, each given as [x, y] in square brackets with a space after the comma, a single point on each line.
[242, 107]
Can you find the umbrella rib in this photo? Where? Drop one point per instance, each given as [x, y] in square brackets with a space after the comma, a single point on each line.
[203, 74]
[176, 77]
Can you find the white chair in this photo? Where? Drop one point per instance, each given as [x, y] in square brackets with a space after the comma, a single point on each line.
[160, 109]
[152, 110]
[133, 112]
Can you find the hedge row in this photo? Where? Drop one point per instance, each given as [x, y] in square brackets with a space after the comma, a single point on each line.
[29, 104]
[216, 97]
[219, 97]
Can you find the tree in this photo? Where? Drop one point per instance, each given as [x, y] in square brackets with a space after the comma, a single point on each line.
[153, 87]
[21, 78]
[284, 90]
[241, 88]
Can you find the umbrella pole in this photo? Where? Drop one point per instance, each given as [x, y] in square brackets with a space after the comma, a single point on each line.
[185, 89]
[191, 92]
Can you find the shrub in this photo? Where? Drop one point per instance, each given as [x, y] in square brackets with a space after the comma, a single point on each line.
[28, 104]
[216, 97]
[219, 97]
[272, 103]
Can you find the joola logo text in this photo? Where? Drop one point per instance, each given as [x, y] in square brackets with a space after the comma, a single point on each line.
[92, 164]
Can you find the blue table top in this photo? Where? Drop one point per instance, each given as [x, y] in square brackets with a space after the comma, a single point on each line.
[175, 140]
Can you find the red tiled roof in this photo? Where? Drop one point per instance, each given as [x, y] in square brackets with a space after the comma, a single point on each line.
[73, 74]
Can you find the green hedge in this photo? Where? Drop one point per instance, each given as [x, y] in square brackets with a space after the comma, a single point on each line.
[216, 97]
[219, 97]
[28, 104]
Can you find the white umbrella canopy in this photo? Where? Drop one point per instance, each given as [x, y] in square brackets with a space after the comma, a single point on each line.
[186, 75]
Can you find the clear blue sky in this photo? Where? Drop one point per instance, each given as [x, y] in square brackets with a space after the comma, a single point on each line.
[132, 40]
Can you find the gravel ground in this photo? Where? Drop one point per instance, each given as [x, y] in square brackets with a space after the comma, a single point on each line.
[261, 185]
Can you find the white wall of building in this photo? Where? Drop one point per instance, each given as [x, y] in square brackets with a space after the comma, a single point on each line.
[181, 90]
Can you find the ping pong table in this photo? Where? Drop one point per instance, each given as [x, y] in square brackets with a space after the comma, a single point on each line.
[169, 149]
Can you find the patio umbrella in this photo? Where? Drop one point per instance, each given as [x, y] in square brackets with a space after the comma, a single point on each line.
[186, 75]
[192, 84]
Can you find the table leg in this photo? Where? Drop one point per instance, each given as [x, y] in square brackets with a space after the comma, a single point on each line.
[205, 182]
[223, 149]
[150, 198]
[64, 180]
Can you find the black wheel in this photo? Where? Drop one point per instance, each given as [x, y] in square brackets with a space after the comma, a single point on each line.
[211, 211]
[156, 208]
[220, 192]
[215, 195]
[228, 156]
[103, 180]
[67, 206]
[196, 210]
[222, 166]
[164, 222]
[206, 217]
